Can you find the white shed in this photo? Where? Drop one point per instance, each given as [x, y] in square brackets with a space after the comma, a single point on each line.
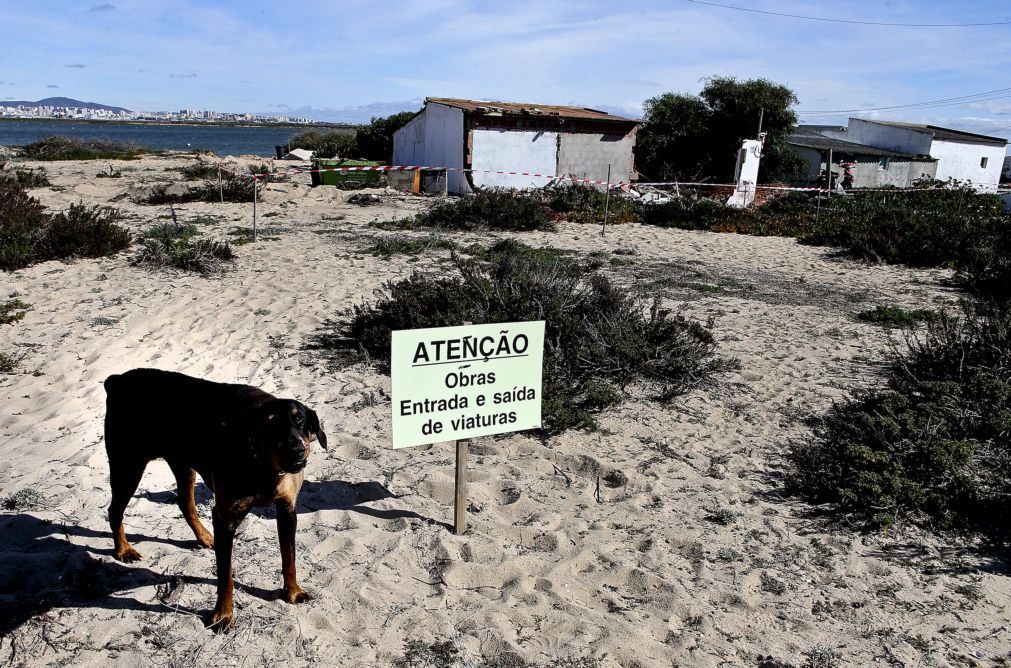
[964, 156]
[490, 137]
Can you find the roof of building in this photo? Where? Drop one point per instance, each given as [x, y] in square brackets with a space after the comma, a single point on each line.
[810, 139]
[494, 108]
[945, 134]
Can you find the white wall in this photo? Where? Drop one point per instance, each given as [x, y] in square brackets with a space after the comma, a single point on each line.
[891, 137]
[957, 160]
[515, 151]
[433, 138]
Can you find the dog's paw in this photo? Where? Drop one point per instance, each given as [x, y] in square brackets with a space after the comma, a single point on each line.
[221, 622]
[296, 595]
[206, 541]
[128, 555]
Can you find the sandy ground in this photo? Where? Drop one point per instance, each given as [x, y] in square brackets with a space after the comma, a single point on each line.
[688, 553]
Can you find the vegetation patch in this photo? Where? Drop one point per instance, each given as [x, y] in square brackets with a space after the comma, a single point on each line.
[489, 210]
[12, 311]
[67, 148]
[172, 246]
[244, 235]
[27, 177]
[931, 446]
[338, 143]
[198, 171]
[29, 235]
[598, 339]
[398, 244]
[580, 203]
[109, 174]
[233, 188]
[896, 317]
[8, 363]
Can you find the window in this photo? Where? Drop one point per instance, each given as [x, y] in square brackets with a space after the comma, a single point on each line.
[982, 162]
[883, 164]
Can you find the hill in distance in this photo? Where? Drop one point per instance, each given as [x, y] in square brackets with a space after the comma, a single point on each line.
[60, 102]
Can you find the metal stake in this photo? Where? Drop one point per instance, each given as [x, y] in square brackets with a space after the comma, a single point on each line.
[460, 493]
[221, 187]
[607, 200]
[254, 209]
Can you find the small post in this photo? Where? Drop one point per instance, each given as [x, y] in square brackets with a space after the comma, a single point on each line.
[761, 117]
[221, 187]
[607, 201]
[829, 195]
[460, 493]
[460, 498]
[254, 209]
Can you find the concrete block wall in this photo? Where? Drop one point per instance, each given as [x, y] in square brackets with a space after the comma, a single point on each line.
[587, 155]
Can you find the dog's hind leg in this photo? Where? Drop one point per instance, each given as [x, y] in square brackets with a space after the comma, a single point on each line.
[186, 480]
[124, 476]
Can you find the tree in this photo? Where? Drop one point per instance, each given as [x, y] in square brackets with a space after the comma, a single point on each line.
[687, 137]
[375, 140]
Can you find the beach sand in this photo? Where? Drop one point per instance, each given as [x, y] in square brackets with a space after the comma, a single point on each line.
[665, 538]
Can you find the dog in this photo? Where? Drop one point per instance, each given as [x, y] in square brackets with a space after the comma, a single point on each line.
[249, 447]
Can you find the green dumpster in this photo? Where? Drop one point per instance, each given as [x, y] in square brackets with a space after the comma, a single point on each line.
[348, 179]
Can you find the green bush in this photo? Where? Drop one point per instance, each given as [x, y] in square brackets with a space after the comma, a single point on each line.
[199, 170]
[895, 317]
[23, 223]
[66, 148]
[172, 246]
[327, 143]
[489, 210]
[581, 203]
[233, 188]
[932, 446]
[598, 339]
[13, 310]
[84, 231]
[30, 178]
[374, 141]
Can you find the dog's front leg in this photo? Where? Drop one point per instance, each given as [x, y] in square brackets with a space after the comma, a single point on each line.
[287, 522]
[227, 518]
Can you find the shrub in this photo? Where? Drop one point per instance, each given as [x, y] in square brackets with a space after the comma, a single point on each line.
[598, 339]
[199, 170]
[397, 244]
[66, 148]
[932, 445]
[22, 226]
[170, 246]
[233, 188]
[31, 178]
[579, 203]
[110, 173]
[84, 231]
[8, 363]
[894, 317]
[374, 141]
[489, 209]
[327, 143]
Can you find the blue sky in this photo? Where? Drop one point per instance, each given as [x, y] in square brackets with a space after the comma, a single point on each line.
[351, 59]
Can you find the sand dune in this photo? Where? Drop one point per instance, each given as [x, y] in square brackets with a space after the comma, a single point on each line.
[689, 554]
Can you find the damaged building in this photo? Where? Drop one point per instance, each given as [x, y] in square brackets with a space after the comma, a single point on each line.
[491, 137]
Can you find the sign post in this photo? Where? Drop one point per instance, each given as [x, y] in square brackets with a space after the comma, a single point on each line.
[458, 383]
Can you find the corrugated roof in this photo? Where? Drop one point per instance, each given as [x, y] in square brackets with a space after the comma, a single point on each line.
[811, 139]
[945, 134]
[530, 109]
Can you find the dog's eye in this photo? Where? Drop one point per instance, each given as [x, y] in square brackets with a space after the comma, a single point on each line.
[300, 420]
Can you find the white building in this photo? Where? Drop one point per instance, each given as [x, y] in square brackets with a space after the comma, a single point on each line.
[489, 137]
[964, 156]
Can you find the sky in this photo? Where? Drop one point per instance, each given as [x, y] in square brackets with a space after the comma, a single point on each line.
[350, 60]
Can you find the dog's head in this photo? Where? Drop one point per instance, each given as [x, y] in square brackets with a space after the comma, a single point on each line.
[284, 429]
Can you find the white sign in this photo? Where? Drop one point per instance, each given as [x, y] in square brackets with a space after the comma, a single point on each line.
[452, 383]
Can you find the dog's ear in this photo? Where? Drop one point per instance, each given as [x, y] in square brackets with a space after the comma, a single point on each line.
[312, 424]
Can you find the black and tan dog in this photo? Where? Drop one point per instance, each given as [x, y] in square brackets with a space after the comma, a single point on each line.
[249, 447]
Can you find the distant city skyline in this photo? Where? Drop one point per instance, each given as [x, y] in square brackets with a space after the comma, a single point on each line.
[351, 61]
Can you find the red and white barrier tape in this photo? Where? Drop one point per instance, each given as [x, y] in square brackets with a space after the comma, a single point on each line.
[624, 185]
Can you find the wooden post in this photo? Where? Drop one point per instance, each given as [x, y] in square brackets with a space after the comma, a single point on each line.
[829, 195]
[460, 497]
[460, 493]
[607, 201]
[416, 187]
[254, 209]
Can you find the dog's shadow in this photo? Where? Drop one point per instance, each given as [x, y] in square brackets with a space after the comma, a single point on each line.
[316, 496]
[41, 569]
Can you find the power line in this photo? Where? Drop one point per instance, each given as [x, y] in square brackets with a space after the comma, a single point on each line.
[985, 96]
[863, 23]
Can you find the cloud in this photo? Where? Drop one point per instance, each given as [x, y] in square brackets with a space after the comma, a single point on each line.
[51, 86]
[103, 7]
[76, 66]
[183, 75]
